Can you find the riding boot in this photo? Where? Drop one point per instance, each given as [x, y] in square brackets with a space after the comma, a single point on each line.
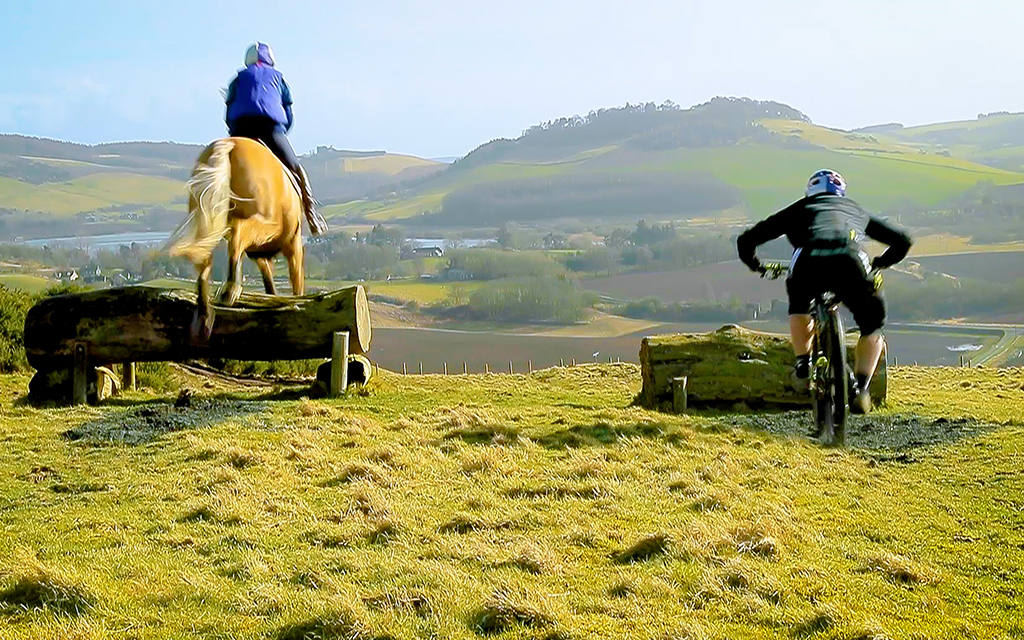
[317, 223]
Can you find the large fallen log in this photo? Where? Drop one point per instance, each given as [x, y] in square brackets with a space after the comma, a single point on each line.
[147, 324]
[725, 368]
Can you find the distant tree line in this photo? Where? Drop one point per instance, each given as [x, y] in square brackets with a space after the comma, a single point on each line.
[986, 213]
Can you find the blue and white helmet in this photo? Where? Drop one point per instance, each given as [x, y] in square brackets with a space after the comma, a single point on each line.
[259, 52]
[826, 181]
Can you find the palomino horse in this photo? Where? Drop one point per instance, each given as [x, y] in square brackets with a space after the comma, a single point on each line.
[240, 191]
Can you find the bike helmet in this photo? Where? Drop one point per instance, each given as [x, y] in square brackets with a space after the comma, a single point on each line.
[259, 52]
[826, 181]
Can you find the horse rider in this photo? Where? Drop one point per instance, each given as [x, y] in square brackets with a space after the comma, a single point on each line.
[826, 230]
[259, 106]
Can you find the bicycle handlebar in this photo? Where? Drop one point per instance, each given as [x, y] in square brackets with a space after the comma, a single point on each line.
[775, 270]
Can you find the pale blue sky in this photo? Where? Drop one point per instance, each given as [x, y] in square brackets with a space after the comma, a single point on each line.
[437, 78]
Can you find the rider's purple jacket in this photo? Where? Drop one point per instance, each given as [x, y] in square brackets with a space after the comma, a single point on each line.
[259, 90]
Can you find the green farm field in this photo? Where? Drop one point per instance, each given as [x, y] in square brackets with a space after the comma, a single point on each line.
[90, 192]
[25, 282]
[526, 506]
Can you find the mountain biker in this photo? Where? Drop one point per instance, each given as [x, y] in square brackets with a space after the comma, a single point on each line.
[826, 230]
[259, 106]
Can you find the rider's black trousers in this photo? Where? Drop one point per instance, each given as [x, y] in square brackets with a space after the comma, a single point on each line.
[271, 134]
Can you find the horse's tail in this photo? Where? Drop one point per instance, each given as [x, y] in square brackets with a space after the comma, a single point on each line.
[209, 203]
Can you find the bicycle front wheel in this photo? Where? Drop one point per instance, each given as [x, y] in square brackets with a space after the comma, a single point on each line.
[837, 386]
[831, 394]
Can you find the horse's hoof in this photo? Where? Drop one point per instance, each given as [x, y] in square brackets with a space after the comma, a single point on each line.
[202, 327]
[231, 296]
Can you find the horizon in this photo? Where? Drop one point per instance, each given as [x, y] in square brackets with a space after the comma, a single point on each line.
[439, 81]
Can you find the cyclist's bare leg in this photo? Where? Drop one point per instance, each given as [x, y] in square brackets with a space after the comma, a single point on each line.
[869, 350]
[801, 332]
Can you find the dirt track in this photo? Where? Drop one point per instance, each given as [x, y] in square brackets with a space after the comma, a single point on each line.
[884, 433]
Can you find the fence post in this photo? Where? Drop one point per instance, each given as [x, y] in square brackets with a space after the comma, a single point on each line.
[405, 371]
[510, 370]
[465, 368]
[339, 364]
[421, 368]
[574, 362]
[561, 362]
[529, 363]
[79, 381]
[487, 368]
[446, 368]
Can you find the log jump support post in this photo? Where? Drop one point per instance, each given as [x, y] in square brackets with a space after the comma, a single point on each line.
[80, 379]
[339, 364]
[679, 400]
[128, 376]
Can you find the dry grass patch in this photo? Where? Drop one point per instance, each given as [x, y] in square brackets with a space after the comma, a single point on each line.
[506, 609]
[384, 531]
[532, 559]
[340, 621]
[753, 540]
[311, 408]
[356, 471]
[646, 548]
[898, 569]
[34, 586]
[240, 458]
[409, 601]
[465, 523]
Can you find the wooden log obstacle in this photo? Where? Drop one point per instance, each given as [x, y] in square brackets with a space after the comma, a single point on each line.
[729, 368]
[67, 337]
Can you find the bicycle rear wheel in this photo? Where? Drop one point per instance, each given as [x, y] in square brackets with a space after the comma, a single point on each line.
[831, 394]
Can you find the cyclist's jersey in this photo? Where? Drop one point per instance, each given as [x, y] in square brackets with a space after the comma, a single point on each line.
[825, 225]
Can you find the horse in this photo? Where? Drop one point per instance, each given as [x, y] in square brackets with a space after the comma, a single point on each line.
[239, 190]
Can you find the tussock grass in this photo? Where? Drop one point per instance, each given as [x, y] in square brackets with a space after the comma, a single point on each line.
[518, 506]
[646, 548]
[33, 586]
[340, 622]
[506, 609]
[898, 569]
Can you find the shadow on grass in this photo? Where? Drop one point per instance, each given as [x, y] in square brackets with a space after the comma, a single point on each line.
[885, 437]
[605, 433]
[150, 420]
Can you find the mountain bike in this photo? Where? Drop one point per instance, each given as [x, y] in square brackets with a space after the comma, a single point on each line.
[830, 394]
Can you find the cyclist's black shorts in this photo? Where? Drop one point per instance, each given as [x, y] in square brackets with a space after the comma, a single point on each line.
[846, 275]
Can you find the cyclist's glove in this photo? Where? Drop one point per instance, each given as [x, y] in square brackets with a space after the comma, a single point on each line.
[876, 278]
[770, 269]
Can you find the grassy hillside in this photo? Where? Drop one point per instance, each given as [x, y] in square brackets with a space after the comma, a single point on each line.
[618, 165]
[540, 506]
[87, 193]
[65, 178]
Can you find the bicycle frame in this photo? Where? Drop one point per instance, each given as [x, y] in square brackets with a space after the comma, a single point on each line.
[828, 384]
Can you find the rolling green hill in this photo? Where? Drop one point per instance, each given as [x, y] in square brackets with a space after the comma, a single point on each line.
[660, 161]
[64, 179]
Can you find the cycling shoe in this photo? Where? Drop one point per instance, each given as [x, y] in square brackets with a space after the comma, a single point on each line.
[802, 385]
[860, 401]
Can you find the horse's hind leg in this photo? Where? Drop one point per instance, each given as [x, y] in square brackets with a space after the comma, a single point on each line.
[202, 324]
[296, 268]
[266, 266]
[233, 287]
